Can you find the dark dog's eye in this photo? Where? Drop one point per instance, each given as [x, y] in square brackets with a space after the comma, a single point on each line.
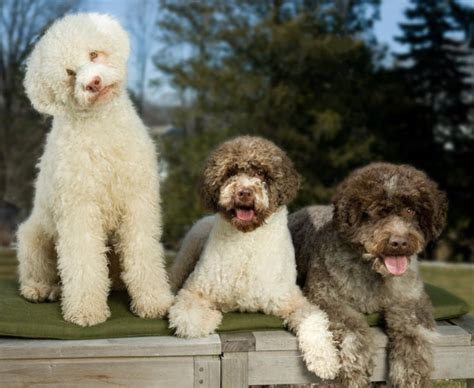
[93, 55]
[70, 72]
[408, 212]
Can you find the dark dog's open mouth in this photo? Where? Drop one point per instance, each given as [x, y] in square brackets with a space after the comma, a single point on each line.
[244, 213]
[396, 265]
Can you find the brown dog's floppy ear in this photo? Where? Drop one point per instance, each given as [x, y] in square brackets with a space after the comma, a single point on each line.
[290, 183]
[208, 185]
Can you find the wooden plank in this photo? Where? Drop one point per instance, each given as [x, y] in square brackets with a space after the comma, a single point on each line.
[234, 370]
[115, 347]
[102, 372]
[274, 340]
[453, 336]
[282, 367]
[207, 372]
[467, 323]
[283, 340]
[237, 342]
[454, 363]
[287, 367]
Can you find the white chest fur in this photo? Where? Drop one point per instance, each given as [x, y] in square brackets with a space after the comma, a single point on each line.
[244, 271]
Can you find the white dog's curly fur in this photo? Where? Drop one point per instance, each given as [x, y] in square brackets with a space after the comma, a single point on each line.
[243, 257]
[98, 178]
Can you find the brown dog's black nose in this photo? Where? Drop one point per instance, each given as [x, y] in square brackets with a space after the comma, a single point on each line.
[398, 242]
[244, 194]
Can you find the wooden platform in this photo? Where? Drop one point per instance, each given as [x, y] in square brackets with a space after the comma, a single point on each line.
[225, 360]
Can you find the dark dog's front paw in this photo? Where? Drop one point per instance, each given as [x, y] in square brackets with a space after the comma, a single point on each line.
[403, 377]
[410, 373]
[355, 353]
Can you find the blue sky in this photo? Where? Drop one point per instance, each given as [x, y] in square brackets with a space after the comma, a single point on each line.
[385, 30]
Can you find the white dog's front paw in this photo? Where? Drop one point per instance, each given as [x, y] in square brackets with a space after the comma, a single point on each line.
[152, 306]
[191, 317]
[87, 316]
[317, 346]
[40, 292]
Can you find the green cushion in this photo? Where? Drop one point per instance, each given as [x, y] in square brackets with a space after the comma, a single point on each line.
[20, 318]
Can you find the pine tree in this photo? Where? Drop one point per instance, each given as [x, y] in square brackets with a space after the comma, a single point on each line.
[435, 70]
[434, 66]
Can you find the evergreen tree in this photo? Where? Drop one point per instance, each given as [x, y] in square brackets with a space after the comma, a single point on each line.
[434, 65]
[435, 70]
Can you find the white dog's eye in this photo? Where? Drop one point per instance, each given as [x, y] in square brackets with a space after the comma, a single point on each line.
[70, 72]
[93, 55]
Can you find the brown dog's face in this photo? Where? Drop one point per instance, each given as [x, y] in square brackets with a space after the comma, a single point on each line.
[246, 179]
[391, 212]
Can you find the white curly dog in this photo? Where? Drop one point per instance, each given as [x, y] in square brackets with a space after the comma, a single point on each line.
[98, 178]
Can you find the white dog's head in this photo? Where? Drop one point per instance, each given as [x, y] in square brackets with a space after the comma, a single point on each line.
[79, 64]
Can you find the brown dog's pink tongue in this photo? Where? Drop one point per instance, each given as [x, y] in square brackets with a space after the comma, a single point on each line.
[396, 265]
[245, 214]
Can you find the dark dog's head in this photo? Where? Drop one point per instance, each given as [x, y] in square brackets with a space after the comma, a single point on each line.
[246, 179]
[391, 212]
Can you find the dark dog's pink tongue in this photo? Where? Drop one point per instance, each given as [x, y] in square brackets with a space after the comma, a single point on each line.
[396, 265]
[245, 214]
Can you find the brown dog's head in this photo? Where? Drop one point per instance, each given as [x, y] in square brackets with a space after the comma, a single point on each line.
[391, 212]
[246, 179]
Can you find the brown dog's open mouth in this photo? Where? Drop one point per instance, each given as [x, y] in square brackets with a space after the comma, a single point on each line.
[396, 265]
[245, 213]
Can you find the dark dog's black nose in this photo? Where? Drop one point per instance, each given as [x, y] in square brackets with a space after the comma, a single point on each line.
[398, 242]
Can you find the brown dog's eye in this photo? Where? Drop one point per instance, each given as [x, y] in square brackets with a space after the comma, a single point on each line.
[93, 55]
[70, 72]
[260, 173]
[408, 212]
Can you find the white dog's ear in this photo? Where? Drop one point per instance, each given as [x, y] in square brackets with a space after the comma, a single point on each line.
[37, 88]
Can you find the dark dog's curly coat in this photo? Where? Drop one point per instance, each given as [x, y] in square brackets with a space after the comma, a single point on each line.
[355, 258]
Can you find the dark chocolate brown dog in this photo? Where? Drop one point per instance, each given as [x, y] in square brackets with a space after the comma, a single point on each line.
[354, 258]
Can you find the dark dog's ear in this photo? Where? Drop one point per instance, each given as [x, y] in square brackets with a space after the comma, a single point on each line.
[347, 211]
[439, 215]
[432, 205]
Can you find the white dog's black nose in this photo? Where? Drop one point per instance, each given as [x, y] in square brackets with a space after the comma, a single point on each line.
[95, 85]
